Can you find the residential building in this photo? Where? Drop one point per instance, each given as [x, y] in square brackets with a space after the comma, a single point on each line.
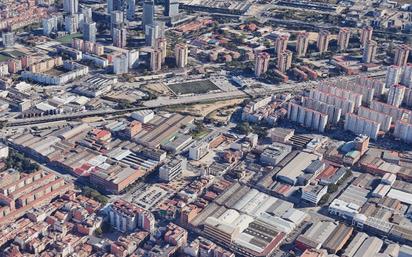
[120, 37]
[307, 117]
[114, 5]
[73, 70]
[281, 43]
[71, 6]
[343, 38]
[284, 61]
[21, 193]
[369, 51]
[161, 44]
[172, 169]
[148, 12]
[89, 31]
[181, 55]
[131, 9]
[87, 14]
[403, 130]
[120, 64]
[175, 235]
[153, 32]
[396, 94]
[302, 42]
[198, 151]
[401, 55]
[71, 24]
[361, 125]
[8, 39]
[323, 41]
[366, 35]
[156, 60]
[262, 63]
[406, 79]
[126, 217]
[116, 20]
[393, 75]
[50, 25]
[171, 8]
[313, 193]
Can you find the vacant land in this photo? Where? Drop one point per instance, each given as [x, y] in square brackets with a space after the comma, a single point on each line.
[193, 87]
[202, 110]
[158, 88]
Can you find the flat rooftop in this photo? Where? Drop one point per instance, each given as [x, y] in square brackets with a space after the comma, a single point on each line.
[296, 167]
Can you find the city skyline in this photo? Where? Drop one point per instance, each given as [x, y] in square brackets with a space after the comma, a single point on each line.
[205, 128]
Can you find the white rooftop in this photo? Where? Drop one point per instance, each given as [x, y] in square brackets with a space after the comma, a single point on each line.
[401, 196]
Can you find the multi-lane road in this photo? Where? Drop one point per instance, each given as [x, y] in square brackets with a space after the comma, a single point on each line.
[174, 101]
[159, 102]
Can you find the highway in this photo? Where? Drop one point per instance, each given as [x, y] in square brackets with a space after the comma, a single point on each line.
[176, 101]
[160, 102]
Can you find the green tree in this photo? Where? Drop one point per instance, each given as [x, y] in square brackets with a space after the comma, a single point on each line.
[243, 128]
[332, 188]
[124, 104]
[261, 131]
[94, 194]
[98, 232]
[20, 163]
[324, 199]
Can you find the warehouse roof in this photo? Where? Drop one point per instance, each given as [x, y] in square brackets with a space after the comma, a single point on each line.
[369, 247]
[318, 232]
[401, 196]
[338, 238]
[315, 166]
[356, 242]
[405, 251]
[356, 195]
[294, 168]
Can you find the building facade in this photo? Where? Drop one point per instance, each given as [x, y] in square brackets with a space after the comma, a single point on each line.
[148, 12]
[366, 35]
[262, 63]
[181, 55]
[89, 31]
[284, 61]
[323, 41]
[172, 169]
[393, 75]
[302, 42]
[369, 51]
[401, 55]
[343, 38]
[396, 94]
[120, 37]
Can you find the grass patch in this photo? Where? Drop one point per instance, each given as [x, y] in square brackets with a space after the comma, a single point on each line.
[4, 58]
[199, 134]
[199, 131]
[16, 53]
[68, 38]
